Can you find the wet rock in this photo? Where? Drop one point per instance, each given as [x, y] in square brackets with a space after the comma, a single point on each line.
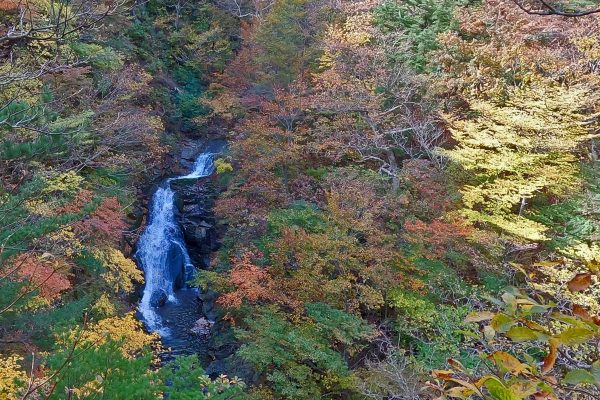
[208, 303]
[158, 298]
[193, 211]
[194, 204]
[233, 366]
[176, 263]
[189, 152]
[202, 327]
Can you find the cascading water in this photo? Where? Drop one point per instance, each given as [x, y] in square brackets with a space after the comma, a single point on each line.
[162, 253]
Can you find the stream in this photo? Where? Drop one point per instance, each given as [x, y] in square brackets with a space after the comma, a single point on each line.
[168, 306]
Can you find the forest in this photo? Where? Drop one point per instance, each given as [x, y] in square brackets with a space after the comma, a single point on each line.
[407, 206]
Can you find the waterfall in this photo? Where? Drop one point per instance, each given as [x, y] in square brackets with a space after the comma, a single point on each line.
[162, 253]
[204, 166]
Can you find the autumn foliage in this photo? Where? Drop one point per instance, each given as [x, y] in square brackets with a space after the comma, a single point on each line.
[252, 284]
[50, 277]
[105, 223]
[406, 209]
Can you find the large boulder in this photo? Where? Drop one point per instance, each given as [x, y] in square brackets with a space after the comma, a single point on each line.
[189, 153]
[208, 299]
[194, 200]
[176, 265]
[158, 298]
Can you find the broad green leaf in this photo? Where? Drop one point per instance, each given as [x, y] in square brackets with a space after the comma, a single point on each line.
[573, 336]
[577, 376]
[576, 321]
[524, 334]
[510, 301]
[502, 323]
[500, 392]
[535, 308]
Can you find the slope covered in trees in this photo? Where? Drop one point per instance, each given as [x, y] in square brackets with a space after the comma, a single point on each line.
[409, 204]
[92, 96]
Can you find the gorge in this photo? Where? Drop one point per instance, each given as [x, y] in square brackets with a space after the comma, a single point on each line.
[168, 305]
[299, 199]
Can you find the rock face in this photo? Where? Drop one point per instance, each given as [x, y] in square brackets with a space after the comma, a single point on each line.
[159, 298]
[189, 152]
[195, 198]
[194, 203]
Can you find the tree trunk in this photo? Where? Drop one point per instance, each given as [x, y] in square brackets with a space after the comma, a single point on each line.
[391, 157]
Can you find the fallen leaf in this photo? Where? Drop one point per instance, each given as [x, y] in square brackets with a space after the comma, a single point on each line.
[580, 282]
[550, 358]
[581, 312]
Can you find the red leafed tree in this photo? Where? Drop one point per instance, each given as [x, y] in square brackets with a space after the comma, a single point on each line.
[105, 223]
[76, 205]
[251, 282]
[44, 275]
[437, 236]
[8, 5]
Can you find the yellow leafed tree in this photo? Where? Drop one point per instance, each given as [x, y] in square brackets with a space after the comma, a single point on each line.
[126, 328]
[11, 377]
[121, 272]
[518, 150]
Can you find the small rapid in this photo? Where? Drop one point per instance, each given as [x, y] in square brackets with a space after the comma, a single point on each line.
[162, 252]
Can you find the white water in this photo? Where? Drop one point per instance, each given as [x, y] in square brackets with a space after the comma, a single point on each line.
[161, 249]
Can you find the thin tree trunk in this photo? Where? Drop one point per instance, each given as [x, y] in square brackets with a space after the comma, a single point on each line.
[391, 157]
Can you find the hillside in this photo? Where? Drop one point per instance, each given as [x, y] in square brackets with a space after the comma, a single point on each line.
[299, 199]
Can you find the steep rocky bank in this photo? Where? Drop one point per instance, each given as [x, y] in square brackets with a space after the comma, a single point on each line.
[195, 200]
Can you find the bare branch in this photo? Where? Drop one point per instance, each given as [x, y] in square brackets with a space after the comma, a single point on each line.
[545, 8]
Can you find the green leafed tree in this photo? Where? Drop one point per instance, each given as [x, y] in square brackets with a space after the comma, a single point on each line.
[282, 40]
[301, 360]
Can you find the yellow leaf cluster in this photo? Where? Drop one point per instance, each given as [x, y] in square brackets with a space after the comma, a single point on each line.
[12, 377]
[90, 389]
[357, 30]
[223, 166]
[519, 149]
[65, 242]
[39, 207]
[104, 306]
[126, 328]
[121, 272]
[589, 46]
[68, 182]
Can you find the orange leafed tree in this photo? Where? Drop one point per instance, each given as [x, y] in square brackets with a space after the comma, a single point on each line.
[252, 283]
[105, 223]
[47, 276]
[7, 5]
[437, 236]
